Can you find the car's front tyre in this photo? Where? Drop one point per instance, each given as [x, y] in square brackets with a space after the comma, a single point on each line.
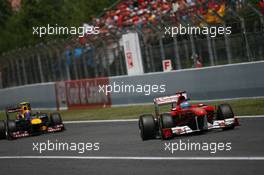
[224, 111]
[55, 119]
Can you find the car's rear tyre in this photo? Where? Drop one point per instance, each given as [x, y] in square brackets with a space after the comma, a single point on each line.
[10, 127]
[55, 119]
[166, 121]
[224, 111]
[2, 129]
[147, 127]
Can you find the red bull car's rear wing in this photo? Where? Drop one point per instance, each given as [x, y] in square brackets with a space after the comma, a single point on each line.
[13, 109]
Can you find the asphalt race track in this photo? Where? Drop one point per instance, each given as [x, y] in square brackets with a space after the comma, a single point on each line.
[123, 152]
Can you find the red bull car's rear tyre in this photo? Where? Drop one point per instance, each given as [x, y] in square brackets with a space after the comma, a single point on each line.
[147, 127]
[11, 127]
[2, 129]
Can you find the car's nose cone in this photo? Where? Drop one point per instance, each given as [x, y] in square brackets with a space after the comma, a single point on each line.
[36, 121]
[199, 111]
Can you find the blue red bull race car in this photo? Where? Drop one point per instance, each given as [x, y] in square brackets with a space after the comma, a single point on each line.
[27, 123]
[184, 118]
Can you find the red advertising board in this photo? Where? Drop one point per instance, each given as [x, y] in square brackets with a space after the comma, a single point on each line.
[83, 93]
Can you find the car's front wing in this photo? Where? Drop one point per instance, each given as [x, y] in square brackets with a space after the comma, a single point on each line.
[217, 124]
[19, 134]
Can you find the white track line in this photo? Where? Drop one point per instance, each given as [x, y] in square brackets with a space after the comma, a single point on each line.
[130, 158]
[135, 120]
[251, 116]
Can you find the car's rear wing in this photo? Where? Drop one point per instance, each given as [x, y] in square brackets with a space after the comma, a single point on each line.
[169, 99]
[13, 109]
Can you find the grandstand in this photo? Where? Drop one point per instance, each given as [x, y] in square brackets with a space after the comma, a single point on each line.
[102, 55]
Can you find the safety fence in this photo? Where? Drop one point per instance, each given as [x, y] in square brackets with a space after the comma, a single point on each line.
[102, 55]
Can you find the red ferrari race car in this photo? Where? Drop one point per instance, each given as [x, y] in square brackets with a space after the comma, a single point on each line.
[25, 123]
[184, 118]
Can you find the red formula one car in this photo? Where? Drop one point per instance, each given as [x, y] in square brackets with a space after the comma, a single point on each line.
[184, 118]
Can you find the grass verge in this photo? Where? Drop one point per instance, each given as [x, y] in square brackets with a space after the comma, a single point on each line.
[240, 107]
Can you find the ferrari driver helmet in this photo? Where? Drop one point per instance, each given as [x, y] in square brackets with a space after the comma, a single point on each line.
[185, 104]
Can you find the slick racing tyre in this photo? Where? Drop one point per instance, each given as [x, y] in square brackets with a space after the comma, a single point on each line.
[147, 127]
[224, 111]
[2, 129]
[55, 119]
[166, 121]
[10, 127]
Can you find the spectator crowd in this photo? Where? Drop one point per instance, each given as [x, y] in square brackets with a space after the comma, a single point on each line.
[140, 13]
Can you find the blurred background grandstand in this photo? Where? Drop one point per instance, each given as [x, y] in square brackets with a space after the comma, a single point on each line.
[70, 58]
